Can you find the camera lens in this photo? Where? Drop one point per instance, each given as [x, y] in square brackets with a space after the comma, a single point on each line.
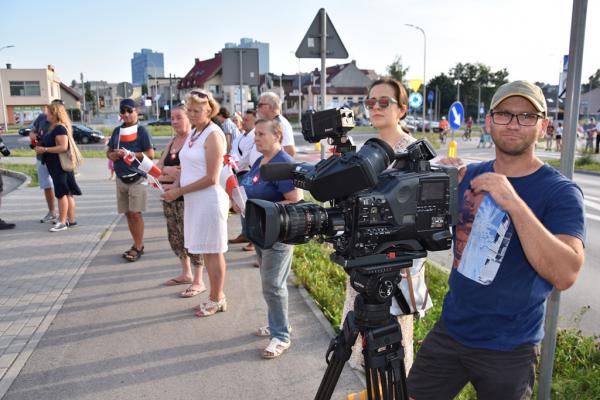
[267, 223]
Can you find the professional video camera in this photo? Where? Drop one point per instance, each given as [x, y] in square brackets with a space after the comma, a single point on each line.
[3, 149]
[406, 209]
[380, 220]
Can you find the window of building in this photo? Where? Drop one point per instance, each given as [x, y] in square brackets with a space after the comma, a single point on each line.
[25, 88]
[360, 99]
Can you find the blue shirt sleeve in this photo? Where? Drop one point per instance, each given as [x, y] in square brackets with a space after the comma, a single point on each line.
[566, 211]
[145, 138]
[112, 143]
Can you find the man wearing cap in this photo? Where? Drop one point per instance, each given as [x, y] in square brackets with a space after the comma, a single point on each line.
[520, 233]
[131, 185]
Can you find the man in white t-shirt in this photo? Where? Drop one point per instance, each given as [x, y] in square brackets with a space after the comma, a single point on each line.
[229, 129]
[269, 107]
[242, 147]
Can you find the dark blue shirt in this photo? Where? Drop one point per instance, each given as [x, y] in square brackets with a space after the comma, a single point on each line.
[41, 126]
[142, 143]
[496, 300]
[256, 188]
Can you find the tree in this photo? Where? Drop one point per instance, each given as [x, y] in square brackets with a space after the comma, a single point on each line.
[144, 89]
[593, 82]
[73, 83]
[476, 80]
[90, 97]
[397, 71]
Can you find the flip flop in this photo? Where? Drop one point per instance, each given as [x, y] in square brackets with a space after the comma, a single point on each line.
[175, 282]
[189, 292]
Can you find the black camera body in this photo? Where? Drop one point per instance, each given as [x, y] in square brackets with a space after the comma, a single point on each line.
[333, 123]
[3, 149]
[379, 215]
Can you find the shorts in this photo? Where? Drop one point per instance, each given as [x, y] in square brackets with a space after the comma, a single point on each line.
[443, 367]
[44, 177]
[131, 197]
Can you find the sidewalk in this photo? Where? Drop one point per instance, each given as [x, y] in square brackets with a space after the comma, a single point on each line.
[79, 322]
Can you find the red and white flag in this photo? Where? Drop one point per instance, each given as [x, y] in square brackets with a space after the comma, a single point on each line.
[128, 134]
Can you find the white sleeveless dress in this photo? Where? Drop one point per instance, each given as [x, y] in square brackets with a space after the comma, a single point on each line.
[205, 211]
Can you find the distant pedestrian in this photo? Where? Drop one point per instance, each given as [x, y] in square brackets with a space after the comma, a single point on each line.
[597, 137]
[549, 136]
[590, 132]
[206, 202]
[269, 107]
[244, 153]
[131, 185]
[444, 126]
[468, 129]
[169, 164]
[558, 136]
[40, 128]
[229, 128]
[53, 143]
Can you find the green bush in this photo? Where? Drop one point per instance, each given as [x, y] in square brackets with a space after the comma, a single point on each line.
[577, 359]
[27, 169]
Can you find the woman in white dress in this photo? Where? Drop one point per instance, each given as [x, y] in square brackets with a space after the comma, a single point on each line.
[206, 202]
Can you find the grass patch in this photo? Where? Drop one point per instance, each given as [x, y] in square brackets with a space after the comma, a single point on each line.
[577, 360]
[583, 163]
[163, 130]
[27, 169]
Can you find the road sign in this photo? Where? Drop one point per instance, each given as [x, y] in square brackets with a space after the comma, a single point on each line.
[430, 96]
[310, 47]
[415, 100]
[231, 66]
[456, 115]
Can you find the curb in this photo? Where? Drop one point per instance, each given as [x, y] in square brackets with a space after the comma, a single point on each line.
[26, 179]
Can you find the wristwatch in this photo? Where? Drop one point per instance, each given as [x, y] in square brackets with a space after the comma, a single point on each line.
[45, 149]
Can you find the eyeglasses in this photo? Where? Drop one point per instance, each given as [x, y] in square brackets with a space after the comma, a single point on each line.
[128, 110]
[523, 119]
[383, 101]
[197, 93]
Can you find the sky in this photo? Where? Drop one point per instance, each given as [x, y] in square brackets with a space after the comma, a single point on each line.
[98, 38]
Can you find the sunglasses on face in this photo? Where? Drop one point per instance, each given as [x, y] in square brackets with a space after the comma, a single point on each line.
[126, 110]
[199, 94]
[383, 101]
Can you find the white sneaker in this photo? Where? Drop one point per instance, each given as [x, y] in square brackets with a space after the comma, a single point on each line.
[49, 218]
[58, 227]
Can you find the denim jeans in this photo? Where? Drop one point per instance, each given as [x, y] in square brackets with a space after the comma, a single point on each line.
[275, 264]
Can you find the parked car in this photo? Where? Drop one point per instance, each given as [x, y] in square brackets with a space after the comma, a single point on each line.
[160, 122]
[409, 123]
[24, 131]
[83, 134]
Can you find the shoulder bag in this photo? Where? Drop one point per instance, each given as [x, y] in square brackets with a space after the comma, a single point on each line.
[70, 159]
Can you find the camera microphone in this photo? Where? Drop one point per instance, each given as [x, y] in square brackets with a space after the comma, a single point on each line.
[277, 171]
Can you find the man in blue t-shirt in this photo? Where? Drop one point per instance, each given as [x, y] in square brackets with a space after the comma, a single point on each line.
[520, 233]
[131, 185]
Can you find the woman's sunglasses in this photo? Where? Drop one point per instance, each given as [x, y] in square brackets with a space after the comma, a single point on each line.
[383, 101]
[202, 95]
[127, 110]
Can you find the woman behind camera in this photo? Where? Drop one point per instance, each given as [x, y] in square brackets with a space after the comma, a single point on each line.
[54, 143]
[169, 164]
[206, 203]
[275, 263]
[387, 104]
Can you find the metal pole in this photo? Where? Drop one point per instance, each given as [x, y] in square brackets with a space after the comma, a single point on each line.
[299, 92]
[478, 104]
[157, 98]
[323, 71]
[241, 83]
[83, 96]
[170, 95]
[578, 20]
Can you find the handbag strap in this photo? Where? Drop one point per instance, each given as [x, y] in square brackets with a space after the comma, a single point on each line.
[411, 290]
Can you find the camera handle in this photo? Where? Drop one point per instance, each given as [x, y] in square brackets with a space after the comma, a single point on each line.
[382, 349]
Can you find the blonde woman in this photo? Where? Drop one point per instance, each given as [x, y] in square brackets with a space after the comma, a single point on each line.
[65, 186]
[170, 166]
[206, 203]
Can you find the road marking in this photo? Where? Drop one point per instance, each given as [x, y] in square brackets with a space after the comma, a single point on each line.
[593, 217]
[590, 204]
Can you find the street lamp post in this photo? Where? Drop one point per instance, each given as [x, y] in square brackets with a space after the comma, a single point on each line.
[4, 112]
[424, 70]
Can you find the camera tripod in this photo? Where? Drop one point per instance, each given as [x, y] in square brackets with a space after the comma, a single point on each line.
[382, 338]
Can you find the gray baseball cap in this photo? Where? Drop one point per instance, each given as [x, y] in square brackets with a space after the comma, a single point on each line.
[523, 89]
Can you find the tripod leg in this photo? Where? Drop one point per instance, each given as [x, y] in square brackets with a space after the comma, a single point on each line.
[384, 363]
[340, 349]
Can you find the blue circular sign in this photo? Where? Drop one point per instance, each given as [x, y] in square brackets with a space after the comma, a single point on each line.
[415, 100]
[456, 115]
[430, 96]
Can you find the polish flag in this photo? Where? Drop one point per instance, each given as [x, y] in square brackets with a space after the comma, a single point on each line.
[128, 134]
[228, 180]
[149, 167]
